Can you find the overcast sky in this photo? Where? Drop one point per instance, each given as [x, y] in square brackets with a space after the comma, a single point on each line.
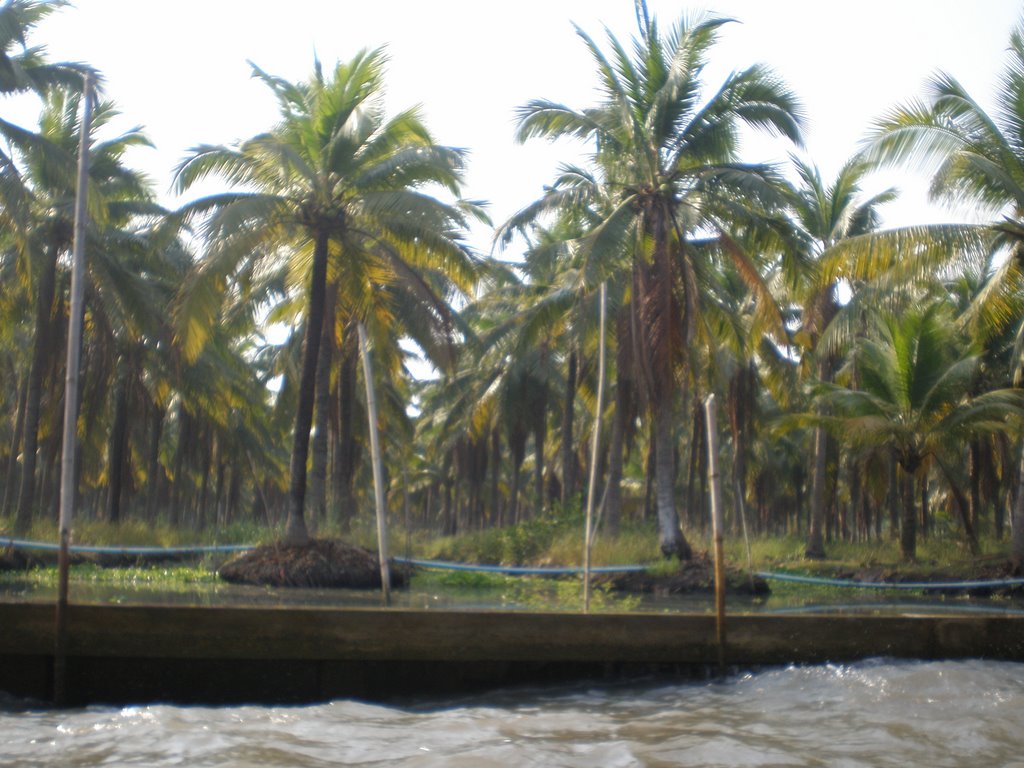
[179, 68]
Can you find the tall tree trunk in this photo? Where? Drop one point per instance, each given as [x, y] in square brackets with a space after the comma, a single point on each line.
[568, 413]
[153, 468]
[318, 472]
[894, 497]
[816, 532]
[517, 446]
[295, 526]
[12, 460]
[908, 519]
[974, 476]
[963, 510]
[234, 492]
[185, 430]
[856, 508]
[698, 455]
[539, 432]
[925, 508]
[495, 500]
[41, 350]
[346, 439]
[611, 502]
[670, 535]
[116, 451]
[740, 395]
[1017, 525]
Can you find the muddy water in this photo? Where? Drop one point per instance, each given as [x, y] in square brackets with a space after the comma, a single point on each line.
[876, 713]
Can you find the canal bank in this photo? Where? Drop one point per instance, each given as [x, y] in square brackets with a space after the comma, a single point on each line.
[138, 653]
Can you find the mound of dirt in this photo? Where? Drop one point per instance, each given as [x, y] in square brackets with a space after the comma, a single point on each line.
[16, 560]
[319, 563]
[694, 576]
[993, 570]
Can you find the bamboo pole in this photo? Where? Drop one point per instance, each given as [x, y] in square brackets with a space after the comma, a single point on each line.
[716, 528]
[378, 468]
[70, 435]
[595, 440]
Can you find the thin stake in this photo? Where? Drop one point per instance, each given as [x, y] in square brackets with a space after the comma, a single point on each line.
[378, 468]
[595, 440]
[716, 529]
[67, 462]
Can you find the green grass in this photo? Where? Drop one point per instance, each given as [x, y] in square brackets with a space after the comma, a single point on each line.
[164, 577]
[138, 533]
[555, 539]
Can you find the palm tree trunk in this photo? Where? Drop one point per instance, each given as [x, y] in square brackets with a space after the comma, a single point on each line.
[963, 507]
[295, 527]
[12, 460]
[153, 469]
[611, 502]
[116, 452]
[40, 355]
[539, 432]
[908, 519]
[670, 535]
[568, 454]
[318, 473]
[815, 535]
[695, 503]
[346, 438]
[974, 475]
[495, 515]
[1017, 526]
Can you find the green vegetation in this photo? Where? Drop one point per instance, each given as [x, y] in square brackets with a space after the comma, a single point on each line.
[869, 378]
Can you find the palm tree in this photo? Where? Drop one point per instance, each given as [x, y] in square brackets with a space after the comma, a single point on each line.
[914, 398]
[827, 216]
[980, 161]
[27, 69]
[665, 160]
[341, 191]
[117, 193]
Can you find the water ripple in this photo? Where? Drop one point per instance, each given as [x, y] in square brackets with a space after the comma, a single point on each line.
[877, 713]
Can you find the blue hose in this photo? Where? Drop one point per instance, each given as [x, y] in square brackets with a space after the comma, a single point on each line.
[42, 546]
[918, 585]
[514, 570]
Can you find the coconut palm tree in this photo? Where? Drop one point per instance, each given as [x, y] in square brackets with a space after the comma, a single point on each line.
[827, 216]
[978, 158]
[665, 159]
[344, 193]
[23, 68]
[117, 194]
[914, 398]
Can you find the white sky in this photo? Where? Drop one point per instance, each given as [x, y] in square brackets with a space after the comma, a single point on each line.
[178, 67]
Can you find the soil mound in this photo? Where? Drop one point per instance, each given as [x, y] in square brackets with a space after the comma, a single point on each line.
[694, 576]
[993, 570]
[319, 563]
[16, 560]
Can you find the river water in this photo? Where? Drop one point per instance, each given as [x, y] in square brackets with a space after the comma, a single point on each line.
[875, 713]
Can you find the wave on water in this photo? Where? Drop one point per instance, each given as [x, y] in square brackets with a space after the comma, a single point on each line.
[876, 713]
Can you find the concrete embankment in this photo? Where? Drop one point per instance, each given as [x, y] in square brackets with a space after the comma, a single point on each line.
[135, 654]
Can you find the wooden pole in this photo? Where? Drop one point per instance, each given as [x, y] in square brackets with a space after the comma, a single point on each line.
[595, 442]
[378, 468]
[70, 435]
[716, 528]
